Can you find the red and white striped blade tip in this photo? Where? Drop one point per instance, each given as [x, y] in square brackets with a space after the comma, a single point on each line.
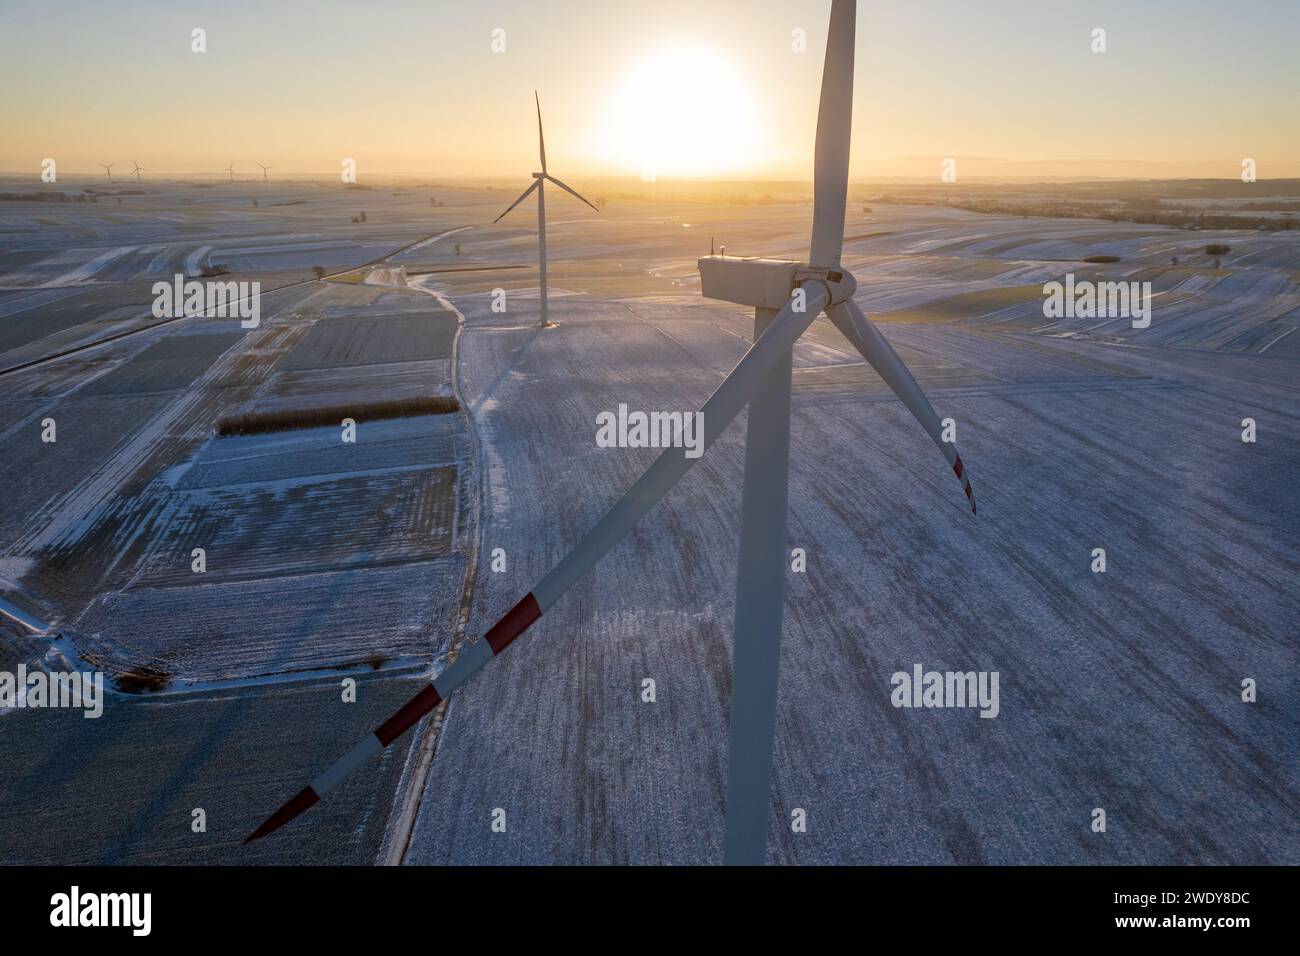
[959, 469]
[302, 801]
[517, 620]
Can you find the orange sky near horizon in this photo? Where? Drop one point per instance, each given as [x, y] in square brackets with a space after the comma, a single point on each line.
[1010, 88]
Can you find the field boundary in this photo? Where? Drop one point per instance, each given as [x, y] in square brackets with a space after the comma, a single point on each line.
[410, 788]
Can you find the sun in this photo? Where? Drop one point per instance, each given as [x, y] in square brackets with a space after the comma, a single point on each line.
[682, 111]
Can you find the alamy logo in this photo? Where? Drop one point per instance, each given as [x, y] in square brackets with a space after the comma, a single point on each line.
[624, 429]
[103, 909]
[35, 690]
[923, 688]
[1098, 300]
[210, 299]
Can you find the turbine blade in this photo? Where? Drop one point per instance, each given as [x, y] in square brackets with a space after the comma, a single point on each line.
[570, 191]
[722, 406]
[875, 348]
[527, 192]
[541, 140]
[834, 126]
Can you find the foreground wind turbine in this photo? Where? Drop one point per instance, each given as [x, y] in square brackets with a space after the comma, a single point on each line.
[108, 168]
[786, 297]
[264, 169]
[539, 184]
[231, 169]
[138, 170]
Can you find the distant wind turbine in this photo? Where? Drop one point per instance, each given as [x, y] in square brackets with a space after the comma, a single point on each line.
[231, 169]
[539, 184]
[108, 168]
[264, 169]
[138, 170]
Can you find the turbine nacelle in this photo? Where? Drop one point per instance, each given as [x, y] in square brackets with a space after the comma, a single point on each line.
[768, 283]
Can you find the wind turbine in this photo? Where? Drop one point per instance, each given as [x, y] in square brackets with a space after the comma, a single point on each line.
[231, 169]
[786, 297]
[138, 170]
[108, 168]
[264, 169]
[539, 184]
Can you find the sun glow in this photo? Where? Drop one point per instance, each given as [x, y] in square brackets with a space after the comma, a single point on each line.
[681, 112]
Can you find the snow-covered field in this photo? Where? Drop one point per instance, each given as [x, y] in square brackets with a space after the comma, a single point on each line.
[1119, 690]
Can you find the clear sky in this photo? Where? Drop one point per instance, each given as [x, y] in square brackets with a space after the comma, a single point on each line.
[676, 87]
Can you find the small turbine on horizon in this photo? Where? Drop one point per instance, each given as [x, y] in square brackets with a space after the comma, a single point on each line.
[264, 169]
[231, 170]
[108, 168]
[138, 170]
[539, 184]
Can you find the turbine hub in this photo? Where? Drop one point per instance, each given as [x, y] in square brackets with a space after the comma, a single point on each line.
[839, 283]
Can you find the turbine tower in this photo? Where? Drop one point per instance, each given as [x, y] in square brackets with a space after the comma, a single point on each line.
[539, 184]
[264, 169]
[786, 297]
[138, 170]
[231, 170]
[108, 168]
